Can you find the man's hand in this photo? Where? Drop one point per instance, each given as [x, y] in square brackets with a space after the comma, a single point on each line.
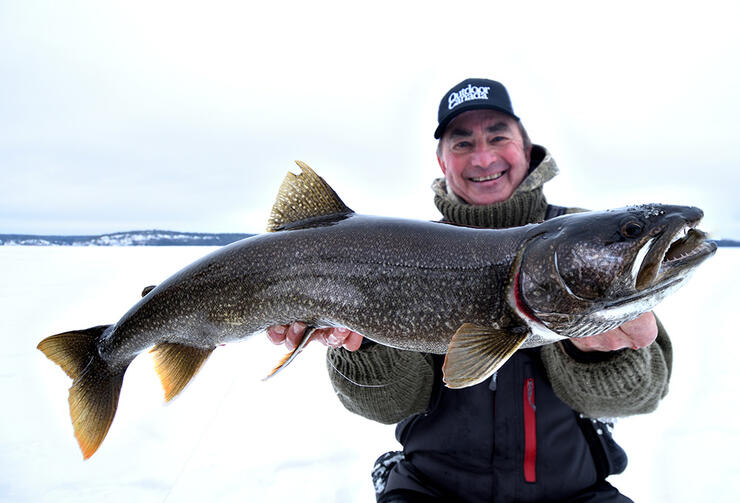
[292, 334]
[634, 334]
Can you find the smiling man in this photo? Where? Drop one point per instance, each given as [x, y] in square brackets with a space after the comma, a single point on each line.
[529, 433]
[483, 156]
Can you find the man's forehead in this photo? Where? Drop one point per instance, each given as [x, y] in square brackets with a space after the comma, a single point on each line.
[466, 121]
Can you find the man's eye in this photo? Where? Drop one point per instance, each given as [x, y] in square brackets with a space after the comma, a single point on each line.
[463, 144]
[498, 139]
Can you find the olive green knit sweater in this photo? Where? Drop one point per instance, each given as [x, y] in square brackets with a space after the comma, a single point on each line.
[387, 385]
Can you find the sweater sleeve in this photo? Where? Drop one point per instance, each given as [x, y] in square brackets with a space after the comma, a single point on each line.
[381, 383]
[625, 383]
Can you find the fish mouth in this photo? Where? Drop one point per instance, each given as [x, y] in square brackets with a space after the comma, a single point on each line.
[678, 249]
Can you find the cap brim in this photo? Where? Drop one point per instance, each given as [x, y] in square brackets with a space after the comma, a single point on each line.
[451, 116]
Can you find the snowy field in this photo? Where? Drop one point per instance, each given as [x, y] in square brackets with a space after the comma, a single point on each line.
[231, 437]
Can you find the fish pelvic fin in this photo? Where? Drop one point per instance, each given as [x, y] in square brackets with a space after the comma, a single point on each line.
[302, 197]
[291, 356]
[93, 397]
[176, 364]
[476, 352]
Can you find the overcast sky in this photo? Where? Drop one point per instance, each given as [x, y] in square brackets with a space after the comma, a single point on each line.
[186, 115]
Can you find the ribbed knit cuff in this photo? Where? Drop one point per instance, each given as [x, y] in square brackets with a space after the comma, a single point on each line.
[381, 383]
[585, 356]
[626, 383]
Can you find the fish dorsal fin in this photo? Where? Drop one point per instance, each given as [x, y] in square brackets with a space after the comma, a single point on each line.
[476, 352]
[304, 196]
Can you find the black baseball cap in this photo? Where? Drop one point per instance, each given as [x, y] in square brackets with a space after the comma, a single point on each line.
[472, 94]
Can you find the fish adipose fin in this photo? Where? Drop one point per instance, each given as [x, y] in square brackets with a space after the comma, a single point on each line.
[93, 397]
[291, 356]
[303, 197]
[476, 352]
[176, 364]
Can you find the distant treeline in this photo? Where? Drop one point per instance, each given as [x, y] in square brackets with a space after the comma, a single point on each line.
[727, 242]
[159, 238]
[130, 238]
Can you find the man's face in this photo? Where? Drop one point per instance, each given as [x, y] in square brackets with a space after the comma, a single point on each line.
[482, 156]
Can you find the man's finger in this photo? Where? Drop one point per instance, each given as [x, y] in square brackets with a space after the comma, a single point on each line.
[276, 333]
[353, 341]
[294, 335]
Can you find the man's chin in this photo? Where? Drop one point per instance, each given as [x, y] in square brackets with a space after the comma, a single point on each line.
[486, 197]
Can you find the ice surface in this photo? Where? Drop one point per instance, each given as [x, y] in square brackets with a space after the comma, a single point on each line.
[232, 437]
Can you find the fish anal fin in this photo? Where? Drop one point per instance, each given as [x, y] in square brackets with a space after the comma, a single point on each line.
[476, 352]
[176, 364]
[304, 196]
[291, 356]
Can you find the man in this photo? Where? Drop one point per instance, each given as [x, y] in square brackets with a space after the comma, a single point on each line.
[526, 433]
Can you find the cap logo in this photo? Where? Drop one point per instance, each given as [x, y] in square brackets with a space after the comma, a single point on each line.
[466, 94]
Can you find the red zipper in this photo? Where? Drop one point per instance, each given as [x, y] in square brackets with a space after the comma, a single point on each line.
[530, 432]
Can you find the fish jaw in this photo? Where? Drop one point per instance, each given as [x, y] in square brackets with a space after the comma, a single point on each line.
[673, 254]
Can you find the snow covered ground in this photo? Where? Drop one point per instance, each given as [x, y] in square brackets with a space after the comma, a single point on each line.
[232, 437]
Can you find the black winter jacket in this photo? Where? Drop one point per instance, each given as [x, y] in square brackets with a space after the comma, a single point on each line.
[507, 439]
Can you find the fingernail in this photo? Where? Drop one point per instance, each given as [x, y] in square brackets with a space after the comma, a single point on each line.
[279, 329]
[297, 329]
[332, 340]
[342, 330]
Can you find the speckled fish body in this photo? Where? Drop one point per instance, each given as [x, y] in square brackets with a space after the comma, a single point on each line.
[407, 284]
[477, 295]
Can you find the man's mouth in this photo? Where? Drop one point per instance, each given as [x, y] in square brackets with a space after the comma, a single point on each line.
[494, 176]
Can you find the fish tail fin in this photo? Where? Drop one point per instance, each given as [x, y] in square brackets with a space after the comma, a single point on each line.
[176, 364]
[93, 397]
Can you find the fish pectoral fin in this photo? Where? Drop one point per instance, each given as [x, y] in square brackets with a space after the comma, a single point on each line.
[476, 352]
[147, 289]
[291, 356]
[302, 197]
[176, 364]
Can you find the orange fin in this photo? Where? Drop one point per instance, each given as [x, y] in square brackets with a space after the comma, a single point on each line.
[291, 356]
[93, 397]
[176, 364]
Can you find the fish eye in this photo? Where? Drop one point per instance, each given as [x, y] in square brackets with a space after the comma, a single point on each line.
[632, 229]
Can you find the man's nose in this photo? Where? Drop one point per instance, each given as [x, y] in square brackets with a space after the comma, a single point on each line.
[484, 156]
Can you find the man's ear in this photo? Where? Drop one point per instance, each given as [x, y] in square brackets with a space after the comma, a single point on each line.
[528, 155]
[442, 165]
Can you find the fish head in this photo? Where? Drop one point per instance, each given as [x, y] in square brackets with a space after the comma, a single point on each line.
[586, 273]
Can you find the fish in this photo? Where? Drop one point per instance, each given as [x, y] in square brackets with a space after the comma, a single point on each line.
[476, 295]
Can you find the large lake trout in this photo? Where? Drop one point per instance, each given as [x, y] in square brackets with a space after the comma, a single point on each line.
[475, 294]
